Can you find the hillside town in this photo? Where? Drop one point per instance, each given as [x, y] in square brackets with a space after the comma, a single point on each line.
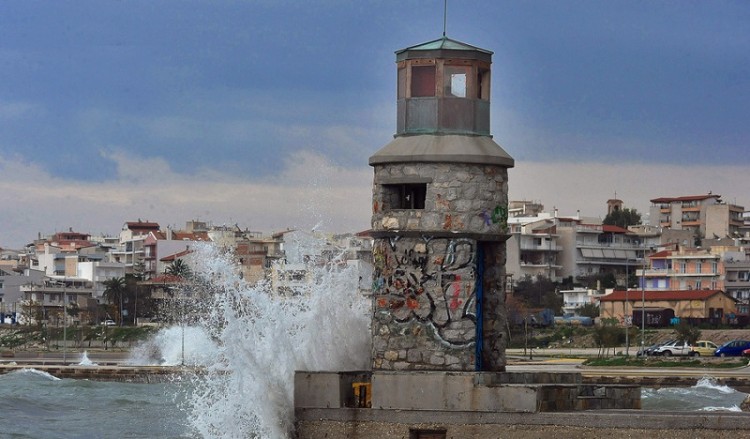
[687, 258]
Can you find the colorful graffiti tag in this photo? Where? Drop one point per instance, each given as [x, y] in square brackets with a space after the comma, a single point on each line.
[431, 281]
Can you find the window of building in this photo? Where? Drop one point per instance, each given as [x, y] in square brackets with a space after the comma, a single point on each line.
[422, 81]
[682, 267]
[415, 433]
[401, 89]
[483, 84]
[698, 267]
[406, 196]
[454, 81]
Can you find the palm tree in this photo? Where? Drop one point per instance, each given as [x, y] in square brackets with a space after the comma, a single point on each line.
[179, 269]
[115, 288]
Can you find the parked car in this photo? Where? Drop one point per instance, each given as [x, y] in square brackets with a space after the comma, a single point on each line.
[651, 349]
[681, 348]
[703, 348]
[109, 323]
[732, 348]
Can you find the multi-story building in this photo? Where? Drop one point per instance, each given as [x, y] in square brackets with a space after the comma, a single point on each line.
[160, 244]
[533, 247]
[737, 282]
[578, 297]
[131, 250]
[706, 216]
[557, 247]
[11, 295]
[48, 299]
[591, 249]
[684, 269]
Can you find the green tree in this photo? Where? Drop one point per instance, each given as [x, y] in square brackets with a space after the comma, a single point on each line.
[684, 331]
[623, 218]
[538, 292]
[607, 335]
[178, 268]
[114, 291]
[588, 310]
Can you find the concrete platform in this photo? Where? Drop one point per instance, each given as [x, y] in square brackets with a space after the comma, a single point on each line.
[615, 424]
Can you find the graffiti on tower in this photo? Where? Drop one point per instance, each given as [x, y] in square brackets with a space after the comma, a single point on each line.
[430, 281]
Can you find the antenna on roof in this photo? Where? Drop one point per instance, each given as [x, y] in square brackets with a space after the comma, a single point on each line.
[445, 16]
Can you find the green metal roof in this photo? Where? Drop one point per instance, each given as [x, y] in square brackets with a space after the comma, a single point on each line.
[444, 43]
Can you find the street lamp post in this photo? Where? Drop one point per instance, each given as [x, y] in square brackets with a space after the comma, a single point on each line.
[643, 303]
[65, 328]
[625, 310]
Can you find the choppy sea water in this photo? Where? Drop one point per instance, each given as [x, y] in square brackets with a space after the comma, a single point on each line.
[705, 396]
[36, 405]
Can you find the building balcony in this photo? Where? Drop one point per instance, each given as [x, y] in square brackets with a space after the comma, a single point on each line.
[540, 248]
[729, 283]
[540, 264]
[589, 229]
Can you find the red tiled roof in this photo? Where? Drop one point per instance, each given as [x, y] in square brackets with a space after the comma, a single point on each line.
[661, 254]
[190, 236]
[158, 234]
[652, 296]
[176, 255]
[614, 229]
[686, 198]
[280, 234]
[142, 225]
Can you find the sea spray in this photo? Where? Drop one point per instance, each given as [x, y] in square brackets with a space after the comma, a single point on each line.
[261, 338]
[85, 361]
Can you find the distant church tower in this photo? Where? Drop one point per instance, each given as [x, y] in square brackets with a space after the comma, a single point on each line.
[614, 205]
[439, 218]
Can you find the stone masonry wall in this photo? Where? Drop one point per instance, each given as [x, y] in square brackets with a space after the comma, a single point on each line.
[462, 198]
[424, 297]
[426, 267]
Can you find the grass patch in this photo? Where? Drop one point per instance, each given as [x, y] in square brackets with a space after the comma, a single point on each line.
[651, 362]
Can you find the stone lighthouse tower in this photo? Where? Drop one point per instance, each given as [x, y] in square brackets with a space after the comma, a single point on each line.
[439, 218]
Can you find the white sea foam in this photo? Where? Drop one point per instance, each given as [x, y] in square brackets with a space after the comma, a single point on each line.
[254, 341]
[710, 383]
[85, 361]
[38, 373]
[733, 408]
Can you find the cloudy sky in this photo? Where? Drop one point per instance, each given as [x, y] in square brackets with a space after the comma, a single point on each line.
[264, 112]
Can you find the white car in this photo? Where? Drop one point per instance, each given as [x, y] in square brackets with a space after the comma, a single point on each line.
[109, 323]
[674, 348]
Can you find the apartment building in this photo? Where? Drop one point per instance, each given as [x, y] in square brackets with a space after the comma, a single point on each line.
[131, 250]
[578, 297]
[533, 247]
[684, 269]
[706, 216]
[558, 247]
[48, 298]
[159, 244]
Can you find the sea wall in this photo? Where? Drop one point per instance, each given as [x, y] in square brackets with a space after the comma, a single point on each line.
[139, 374]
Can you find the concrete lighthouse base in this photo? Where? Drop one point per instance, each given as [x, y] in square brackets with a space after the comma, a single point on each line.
[355, 404]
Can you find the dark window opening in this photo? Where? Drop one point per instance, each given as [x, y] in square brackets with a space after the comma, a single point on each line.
[422, 81]
[483, 84]
[401, 83]
[415, 433]
[406, 196]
